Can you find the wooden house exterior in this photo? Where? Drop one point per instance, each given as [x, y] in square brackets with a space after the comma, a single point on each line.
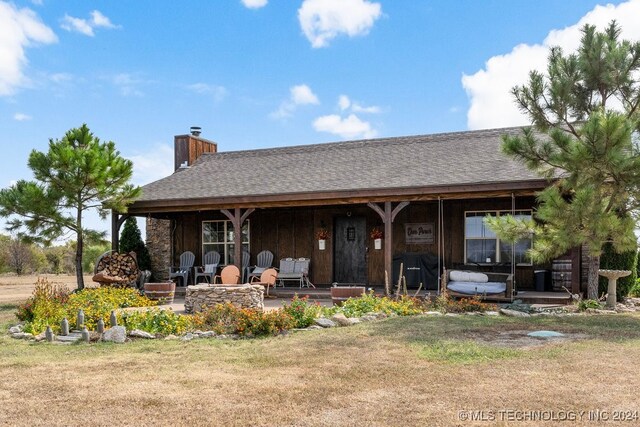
[442, 185]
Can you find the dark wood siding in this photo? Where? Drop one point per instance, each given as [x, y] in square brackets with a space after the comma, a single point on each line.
[290, 232]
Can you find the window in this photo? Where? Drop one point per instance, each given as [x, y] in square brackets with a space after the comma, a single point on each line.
[218, 236]
[482, 244]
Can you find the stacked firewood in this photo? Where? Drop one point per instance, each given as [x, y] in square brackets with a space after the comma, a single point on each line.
[117, 269]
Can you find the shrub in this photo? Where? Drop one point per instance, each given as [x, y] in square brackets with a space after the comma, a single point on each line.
[588, 303]
[302, 312]
[356, 307]
[610, 260]
[635, 291]
[229, 319]
[49, 304]
[156, 321]
[45, 295]
[97, 303]
[446, 304]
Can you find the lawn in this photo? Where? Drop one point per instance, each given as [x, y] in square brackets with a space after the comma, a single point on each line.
[401, 371]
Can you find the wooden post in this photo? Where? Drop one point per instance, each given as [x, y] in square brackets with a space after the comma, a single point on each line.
[116, 223]
[388, 215]
[237, 218]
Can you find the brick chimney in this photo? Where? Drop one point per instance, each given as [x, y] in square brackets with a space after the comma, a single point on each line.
[187, 148]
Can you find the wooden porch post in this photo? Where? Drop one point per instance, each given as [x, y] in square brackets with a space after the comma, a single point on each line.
[388, 215]
[237, 218]
[116, 223]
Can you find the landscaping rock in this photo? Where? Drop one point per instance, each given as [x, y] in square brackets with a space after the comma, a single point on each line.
[324, 322]
[15, 329]
[22, 335]
[314, 327]
[188, 337]
[171, 337]
[117, 334]
[40, 337]
[368, 318]
[513, 313]
[452, 314]
[433, 313]
[137, 333]
[343, 320]
[208, 334]
[491, 313]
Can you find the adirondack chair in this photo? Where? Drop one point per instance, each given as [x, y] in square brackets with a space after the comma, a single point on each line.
[295, 269]
[264, 261]
[228, 276]
[267, 279]
[209, 267]
[246, 257]
[186, 263]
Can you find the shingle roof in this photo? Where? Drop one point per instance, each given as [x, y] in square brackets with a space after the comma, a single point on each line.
[401, 162]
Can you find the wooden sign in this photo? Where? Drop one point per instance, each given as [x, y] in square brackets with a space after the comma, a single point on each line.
[419, 233]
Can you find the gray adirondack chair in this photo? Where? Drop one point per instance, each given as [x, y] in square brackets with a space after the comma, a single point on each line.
[263, 261]
[246, 257]
[186, 263]
[209, 267]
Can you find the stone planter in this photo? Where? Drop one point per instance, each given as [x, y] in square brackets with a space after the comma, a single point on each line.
[199, 297]
[163, 292]
[340, 294]
[322, 244]
[377, 243]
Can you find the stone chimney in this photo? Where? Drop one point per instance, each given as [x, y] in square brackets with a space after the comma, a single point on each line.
[187, 148]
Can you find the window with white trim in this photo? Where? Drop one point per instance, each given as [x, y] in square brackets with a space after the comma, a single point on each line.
[218, 236]
[481, 244]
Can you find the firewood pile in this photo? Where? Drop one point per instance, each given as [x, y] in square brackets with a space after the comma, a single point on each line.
[116, 269]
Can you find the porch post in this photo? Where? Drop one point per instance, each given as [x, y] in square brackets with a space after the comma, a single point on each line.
[388, 215]
[237, 218]
[116, 223]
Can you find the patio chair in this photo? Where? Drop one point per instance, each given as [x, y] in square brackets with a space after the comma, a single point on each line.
[186, 263]
[209, 267]
[295, 269]
[267, 279]
[246, 257]
[264, 261]
[228, 276]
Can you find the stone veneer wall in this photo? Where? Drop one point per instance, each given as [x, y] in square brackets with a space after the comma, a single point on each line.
[159, 246]
[243, 296]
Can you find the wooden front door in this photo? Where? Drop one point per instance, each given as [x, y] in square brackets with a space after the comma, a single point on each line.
[350, 251]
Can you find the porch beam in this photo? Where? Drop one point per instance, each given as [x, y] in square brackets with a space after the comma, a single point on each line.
[388, 215]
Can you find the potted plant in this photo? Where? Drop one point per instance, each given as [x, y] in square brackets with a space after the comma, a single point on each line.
[377, 235]
[322, 235]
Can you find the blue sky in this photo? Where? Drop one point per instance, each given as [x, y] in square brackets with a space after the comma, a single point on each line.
[258, 73]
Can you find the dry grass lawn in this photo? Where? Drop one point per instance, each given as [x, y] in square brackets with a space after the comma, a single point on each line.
[418, 371]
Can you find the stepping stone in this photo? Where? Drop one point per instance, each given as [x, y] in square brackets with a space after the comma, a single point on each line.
[68, 338]
[545, 334]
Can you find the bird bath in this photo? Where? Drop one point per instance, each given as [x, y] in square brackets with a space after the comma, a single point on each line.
[613, 276]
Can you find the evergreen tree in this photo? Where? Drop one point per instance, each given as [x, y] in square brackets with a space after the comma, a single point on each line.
[77, 174]
[585, 114]
[131, 240]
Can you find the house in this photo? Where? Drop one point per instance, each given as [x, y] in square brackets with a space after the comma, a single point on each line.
[427, 193]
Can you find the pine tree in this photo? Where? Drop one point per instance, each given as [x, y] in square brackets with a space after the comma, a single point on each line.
[77, 174]
[131, 240]
[585, 115]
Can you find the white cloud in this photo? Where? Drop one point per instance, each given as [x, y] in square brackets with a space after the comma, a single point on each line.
[323, 20]
[218, 92]
[344, 103]
[128, 84]
[87, 26]
[303, 95]
[349, 127]
[19, 29]
[254, 4]
[153, 165]
[21, 117]
[491, 103]
[298, 95]
[99, 20]
[60, 77]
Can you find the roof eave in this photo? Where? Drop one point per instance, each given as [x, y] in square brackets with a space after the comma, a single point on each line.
[320, 198]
